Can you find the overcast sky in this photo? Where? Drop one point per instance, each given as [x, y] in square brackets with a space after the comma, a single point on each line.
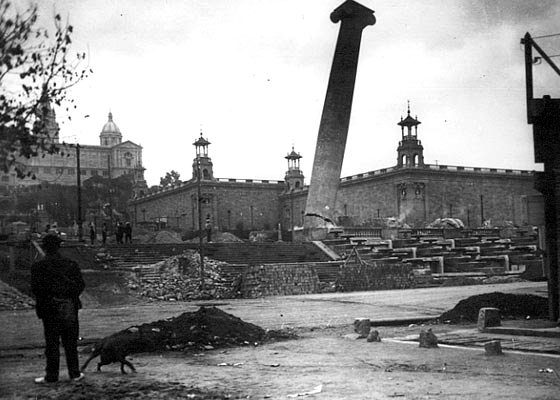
[253, 75]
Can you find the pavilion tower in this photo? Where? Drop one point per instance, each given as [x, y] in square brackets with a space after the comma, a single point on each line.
[410, 151]
[294, 175]
[206, 171]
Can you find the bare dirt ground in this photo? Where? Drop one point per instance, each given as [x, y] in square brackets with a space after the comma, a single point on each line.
[324, 363]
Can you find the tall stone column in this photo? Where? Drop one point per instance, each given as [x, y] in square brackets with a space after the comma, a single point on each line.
[333, 129]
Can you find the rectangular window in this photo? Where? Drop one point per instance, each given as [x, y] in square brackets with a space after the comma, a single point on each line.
[83, 172]
[47, 170]
[105, 173]
[128, 162]
[71, 171]
[59, 171]
[93, 172]
[5, 178]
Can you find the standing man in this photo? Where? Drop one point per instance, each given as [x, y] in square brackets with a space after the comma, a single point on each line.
[104, 233]
[128, 233]
[56, 283]
[92, 233]
[208, 229]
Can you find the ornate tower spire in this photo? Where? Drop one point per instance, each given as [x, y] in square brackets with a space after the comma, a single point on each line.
[294, 176]
[410, 151]
[202, 160]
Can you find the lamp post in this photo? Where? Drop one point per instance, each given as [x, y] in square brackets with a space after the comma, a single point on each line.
[79, 184]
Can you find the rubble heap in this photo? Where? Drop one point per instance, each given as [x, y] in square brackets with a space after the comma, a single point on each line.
[205, 329]
[178, 278]
[13, 299]
[511, 306]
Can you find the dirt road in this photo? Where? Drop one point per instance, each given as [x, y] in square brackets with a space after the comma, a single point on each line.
[323, 364]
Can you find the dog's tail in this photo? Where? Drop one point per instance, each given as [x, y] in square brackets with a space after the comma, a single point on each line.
[96, 351]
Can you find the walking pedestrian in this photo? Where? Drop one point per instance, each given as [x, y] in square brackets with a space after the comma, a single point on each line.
[56, 283]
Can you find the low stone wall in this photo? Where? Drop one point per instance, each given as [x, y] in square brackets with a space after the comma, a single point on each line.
[279, 280]
[375, 276]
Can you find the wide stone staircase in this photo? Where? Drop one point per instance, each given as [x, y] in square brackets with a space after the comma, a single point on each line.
[131, 255]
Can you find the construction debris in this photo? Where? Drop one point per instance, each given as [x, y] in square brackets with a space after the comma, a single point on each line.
[178, 278]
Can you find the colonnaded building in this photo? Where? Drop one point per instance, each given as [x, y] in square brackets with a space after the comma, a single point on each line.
[112, 158]
[411, 191]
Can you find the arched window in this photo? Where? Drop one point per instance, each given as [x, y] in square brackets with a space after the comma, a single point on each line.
[297, 184]
[415, 159]
[403, 159]
[205, 174]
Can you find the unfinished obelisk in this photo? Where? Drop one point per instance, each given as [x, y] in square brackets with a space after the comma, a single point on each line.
[333, 129]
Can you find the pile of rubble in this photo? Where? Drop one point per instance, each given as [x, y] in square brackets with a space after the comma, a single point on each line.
[511, 306]
[178, 278]
[13, 299]
[205, 329]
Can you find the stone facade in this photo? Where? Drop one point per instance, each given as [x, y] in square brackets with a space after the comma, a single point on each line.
[230, 204]
[412, 192]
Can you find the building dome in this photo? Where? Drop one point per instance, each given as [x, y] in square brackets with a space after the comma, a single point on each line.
[110, 134]
[110, 126]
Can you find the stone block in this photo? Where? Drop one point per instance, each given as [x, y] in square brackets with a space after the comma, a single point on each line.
[374, 336]
[428, 339]
[493, 348]
[487, 317]
[362, 326]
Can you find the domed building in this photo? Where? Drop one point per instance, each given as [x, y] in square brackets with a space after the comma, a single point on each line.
[110, 159]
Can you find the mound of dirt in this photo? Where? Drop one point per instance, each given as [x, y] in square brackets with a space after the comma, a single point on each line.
[205, 329]
[218, 237]
[511, 306]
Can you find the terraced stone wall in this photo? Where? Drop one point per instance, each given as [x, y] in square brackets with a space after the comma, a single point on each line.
[279, 280]
[377, 276]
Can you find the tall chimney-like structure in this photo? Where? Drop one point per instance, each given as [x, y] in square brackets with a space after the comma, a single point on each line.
[333, 129]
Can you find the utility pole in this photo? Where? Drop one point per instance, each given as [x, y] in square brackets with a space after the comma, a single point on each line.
[481, 210]
[544, 115]
[79, 183]
[110, 194]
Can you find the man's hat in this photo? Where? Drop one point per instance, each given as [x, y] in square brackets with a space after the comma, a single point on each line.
[51, 239]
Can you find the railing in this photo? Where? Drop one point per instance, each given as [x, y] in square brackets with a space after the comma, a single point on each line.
[358, 231]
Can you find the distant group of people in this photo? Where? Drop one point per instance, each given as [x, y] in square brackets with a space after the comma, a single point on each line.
[123, 233]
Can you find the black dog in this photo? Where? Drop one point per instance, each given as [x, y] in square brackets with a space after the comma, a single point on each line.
[116, 347]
